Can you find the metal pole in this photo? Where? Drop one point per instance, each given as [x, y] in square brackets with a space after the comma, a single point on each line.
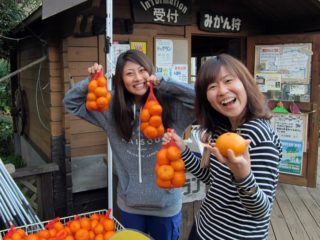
[109, 57]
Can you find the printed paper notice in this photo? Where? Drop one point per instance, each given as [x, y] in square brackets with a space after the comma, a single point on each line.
[180, 72]
[164, 52]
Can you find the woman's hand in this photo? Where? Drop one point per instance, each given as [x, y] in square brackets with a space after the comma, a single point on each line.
[240, 166]
[153, 79]
[178, 140]
[95, 68]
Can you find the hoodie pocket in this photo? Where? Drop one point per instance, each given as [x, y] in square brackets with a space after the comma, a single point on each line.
[148, 195]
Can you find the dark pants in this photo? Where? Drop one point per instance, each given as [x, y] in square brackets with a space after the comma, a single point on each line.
[159, 228]
[193, 235]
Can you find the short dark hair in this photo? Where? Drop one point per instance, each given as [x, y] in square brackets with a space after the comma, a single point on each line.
[209, 118]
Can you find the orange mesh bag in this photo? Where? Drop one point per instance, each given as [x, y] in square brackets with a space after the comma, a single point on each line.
[150, 117]
[169, 167]
[98, 96]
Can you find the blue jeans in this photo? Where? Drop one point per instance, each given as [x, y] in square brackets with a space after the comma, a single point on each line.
[159, 228]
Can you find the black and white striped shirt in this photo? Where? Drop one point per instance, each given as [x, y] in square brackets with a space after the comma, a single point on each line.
[226, 212]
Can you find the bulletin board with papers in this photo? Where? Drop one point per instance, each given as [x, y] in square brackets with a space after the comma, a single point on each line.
[171, 58]
[283, 71]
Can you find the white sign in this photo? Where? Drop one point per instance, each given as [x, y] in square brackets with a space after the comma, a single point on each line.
[193, 189]
[164, 50]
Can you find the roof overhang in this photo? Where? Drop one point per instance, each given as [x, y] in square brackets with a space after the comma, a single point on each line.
[50, 8]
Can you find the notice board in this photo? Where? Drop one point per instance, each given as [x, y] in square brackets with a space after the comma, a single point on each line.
[171, 58]
[283, 71]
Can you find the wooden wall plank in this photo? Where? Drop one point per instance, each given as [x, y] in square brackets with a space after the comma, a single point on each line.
[89, 150]
[82, 54]
[82, 126]
[88, 139]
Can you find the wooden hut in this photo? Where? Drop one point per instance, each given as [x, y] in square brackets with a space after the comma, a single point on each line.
[65, 42]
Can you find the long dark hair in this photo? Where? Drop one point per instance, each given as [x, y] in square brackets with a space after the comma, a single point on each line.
[123, 100]
[208, 117]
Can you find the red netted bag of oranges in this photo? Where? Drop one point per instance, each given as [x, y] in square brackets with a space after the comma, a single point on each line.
[98, 96]
[95, 226]
[170, 167]
[150, 117]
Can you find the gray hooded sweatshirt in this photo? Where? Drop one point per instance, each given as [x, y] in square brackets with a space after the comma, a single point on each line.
[134, 161]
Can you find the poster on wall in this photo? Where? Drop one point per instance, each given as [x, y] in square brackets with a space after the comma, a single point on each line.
[278, 67]
[292, 157]
[164, 50]
[117, 49]
[291, 126]
[193, 190]
[171, 57]
[139, 45]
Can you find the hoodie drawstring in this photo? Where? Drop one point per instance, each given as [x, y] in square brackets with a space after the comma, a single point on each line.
[139, 147]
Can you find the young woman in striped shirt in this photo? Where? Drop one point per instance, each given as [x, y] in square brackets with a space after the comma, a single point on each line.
[241, 189]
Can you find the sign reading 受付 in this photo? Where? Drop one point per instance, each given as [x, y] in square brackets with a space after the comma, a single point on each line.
[168, 12]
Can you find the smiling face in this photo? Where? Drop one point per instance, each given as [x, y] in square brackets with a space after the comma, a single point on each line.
[134, 78]
[228, 96]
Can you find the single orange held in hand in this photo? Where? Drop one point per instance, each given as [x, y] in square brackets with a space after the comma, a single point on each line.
[231, 141]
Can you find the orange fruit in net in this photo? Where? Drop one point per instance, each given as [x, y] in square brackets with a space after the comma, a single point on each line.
[20, 232]
[150, 132]
[155, 121]
[108, 224]
[102, 81]
[144, 125]
[163, 183]
[32, 236]
[91, 105]
[100, 91]
[231, 141]
[17, 235]
[178, 179]
[150, 103]
[93, 84]
[82, 234]
[74, 226]
[165, 172]
[102, 102]
[69, 237]
[173, 153]
[155, 109]
[91, 96]
[160, 130]
[52, 232]
[144, 115]
[108, 235]
[178, 165]
[162, 157]
[85, 223]
[58, 226]
[98, 229]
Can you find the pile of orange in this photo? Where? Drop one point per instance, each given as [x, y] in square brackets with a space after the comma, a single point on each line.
[233, 141]
[151, 120]
[170, 168]
[94, 227]
[98, 96]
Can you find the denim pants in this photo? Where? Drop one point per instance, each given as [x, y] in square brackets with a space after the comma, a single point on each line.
[159, 228]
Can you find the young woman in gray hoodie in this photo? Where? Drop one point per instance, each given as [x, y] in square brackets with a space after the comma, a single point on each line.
[142, 204]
